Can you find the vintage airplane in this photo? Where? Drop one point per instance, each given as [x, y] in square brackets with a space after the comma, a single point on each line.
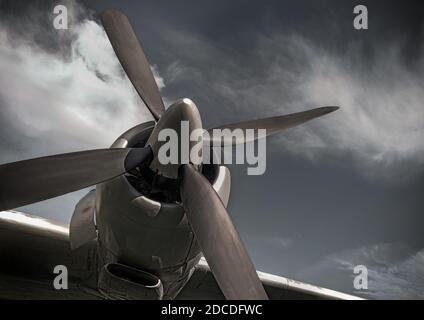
[147, 229]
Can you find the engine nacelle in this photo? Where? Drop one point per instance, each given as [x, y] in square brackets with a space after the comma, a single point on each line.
[118, 281]
[145, 227]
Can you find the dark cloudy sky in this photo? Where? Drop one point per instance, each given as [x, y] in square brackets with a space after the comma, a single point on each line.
[341, 191]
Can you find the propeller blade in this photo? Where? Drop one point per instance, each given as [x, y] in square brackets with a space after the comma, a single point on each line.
[272, 125]
[133, 60]
[220, 243]
[34, 180]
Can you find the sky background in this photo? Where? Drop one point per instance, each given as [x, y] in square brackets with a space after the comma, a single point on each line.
[340, 191]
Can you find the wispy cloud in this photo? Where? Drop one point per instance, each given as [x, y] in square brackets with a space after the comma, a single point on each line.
[380, 125]
[394, 271]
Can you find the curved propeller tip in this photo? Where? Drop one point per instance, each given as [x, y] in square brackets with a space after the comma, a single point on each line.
[332, 108]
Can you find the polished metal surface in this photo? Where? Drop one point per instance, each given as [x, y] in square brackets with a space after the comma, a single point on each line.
[34, 180]
[203, 286]
[182, 110]
[272, 125]
[149, 206]
[222, 184]
[133, 60]
[82, 228]
[130, 234]
[219, 240]
[134, 136]
[31, 247]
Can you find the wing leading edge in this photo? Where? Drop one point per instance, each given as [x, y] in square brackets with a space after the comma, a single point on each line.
[202, 286]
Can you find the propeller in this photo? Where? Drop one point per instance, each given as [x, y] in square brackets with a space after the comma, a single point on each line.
[272, 125]
[221, 244]
[30, 181]
[34, 180]
[133, 60]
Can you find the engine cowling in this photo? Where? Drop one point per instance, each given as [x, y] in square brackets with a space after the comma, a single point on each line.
[139, 217]
[118, 281]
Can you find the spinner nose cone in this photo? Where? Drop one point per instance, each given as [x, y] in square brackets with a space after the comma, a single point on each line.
[182, 110]
[181, 118]
[187, 102]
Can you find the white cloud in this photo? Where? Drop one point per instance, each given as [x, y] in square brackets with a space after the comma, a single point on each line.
[381, 123]
[56, 101]
[63, 104]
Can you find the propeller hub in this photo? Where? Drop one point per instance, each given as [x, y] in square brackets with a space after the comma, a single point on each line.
[174, 138]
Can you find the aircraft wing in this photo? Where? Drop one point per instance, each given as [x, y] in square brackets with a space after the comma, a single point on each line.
[202, 286]
[27, 240]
